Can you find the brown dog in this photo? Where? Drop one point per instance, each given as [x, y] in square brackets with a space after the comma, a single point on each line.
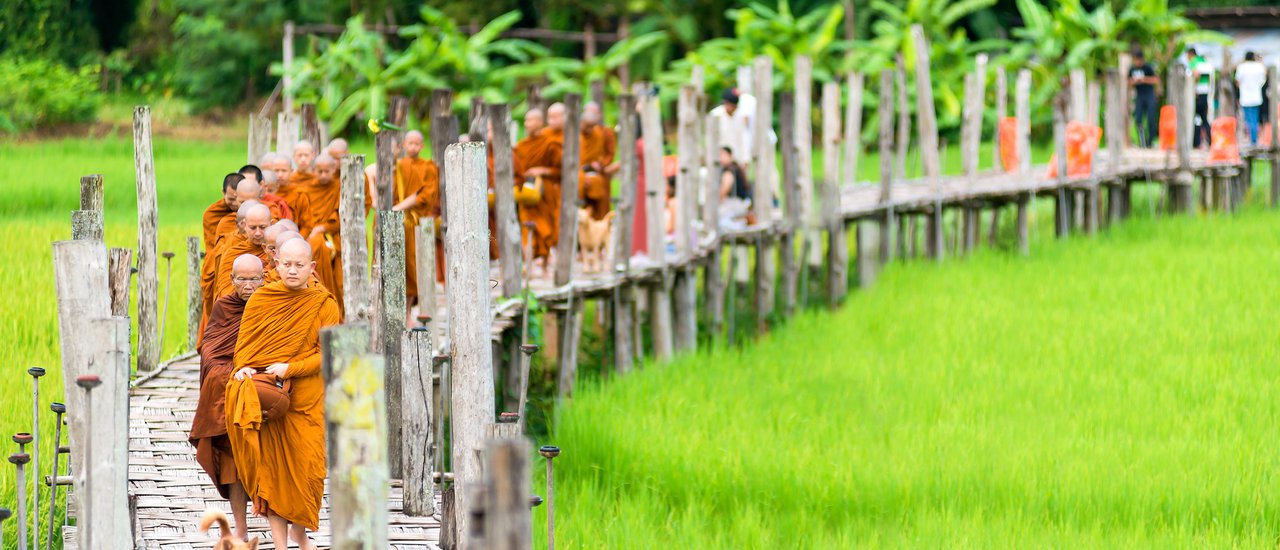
[593, 239]
[228, 541]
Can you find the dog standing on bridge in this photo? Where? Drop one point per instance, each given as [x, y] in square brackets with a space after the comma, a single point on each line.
[228, 541]
[593, 239]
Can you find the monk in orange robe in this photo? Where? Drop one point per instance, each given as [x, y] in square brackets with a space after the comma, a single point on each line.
[418, 196]
[215, 277]
[280, 209]
[209, 425]
[539, 155]
[599, 145]
[281, 460]
[220, 217]
[323, 193]
[296, 187]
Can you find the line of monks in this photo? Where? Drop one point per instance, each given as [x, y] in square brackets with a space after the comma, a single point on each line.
[271, 278]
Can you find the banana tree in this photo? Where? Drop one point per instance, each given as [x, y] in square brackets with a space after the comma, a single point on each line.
[574, 75]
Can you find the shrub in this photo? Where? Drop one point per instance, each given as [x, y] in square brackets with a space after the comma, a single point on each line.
[37, 92]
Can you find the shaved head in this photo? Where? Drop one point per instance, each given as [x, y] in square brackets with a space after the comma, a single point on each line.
[591, 114]
[289, 223]
[338, 148]
[294, 263]
[253, 218]
[246, 206]
[248, 190]
[413, 143]
[270, 235]
[534, 120]
[555, 115]
[269, 182]
[229, 184]
[246, 275]
[326, 168]
[286, 236]
[277, 164]
[303, 154]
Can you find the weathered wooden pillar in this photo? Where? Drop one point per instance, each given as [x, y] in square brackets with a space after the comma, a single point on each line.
[1022, 108]
[509, 249]
[149, 336]
[928, 130]
[444, 132]
[1182, 92]
[831, 216]
[508, 523]
[418, 415]
[87, 223]
[659, 298]
[287, 125]
[392, 315]
[467, 246]
[1117, 120]
[311, 127]
[259, 137]
[1002, 111]
[792, 202]
[623, 305]
[887, 224]
[1024, 235]
[903, 132]
[356, 423]
[810, 218]
[195, 298]
[686, 283]
[1273, 93]
[357, 291]
[713, 276]
[853, 127]
[762, 160]
[1062, 202]
[566, 247]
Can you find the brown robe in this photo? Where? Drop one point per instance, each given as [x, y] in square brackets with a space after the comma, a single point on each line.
[420, 177]
[213, 221]
[209, 425]
[543, 149]
[599, 145]
[326, 250]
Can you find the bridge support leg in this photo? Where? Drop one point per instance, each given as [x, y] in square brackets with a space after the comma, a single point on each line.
[886, 236]
[1024, 235]
[936, 245]
[1092, 204]
[1062, 212]
[995, 225]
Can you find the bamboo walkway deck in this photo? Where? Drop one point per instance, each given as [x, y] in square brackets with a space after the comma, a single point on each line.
[170, 492]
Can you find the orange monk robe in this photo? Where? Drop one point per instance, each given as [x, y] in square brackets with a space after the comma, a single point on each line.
[209, 280]
[279, 207]
[599, 145]
[420, 177]
[209, 425]
[543, 149]
[236, 245]
[212, 220]
[322, 199]
[281, 461]
[326, 250]
[295, 191]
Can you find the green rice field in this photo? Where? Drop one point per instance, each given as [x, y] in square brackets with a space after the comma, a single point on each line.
[1113, 392]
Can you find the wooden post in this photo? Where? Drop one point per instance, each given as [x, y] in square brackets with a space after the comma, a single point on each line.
[762, 192]
[1062, 202]
[686, 284]
[928, 131]
[105, 505]
[809, 218]
[259, 137]
[792, 201]
[1182, 92]
[971, 132]
[385, 157]
[853, 128]
[393, 313]
[86, 224]
[570, 160]
[508, 522]
[286, 132]
[837, 248]
[1273, 93]
[1022, 100]
[119, 272]
[357, 292]
[311, 127]
[80, 280]
[444, 132]
[478, 120]
[1002, 111]
[426, 274]
[148, 271]
[885, 114]
[713, 277]
[356, 417]
[1116, 125]
[195, 301]
[91, 192]
[1078, 98]
[509, 250]
[904, 120]
[659, 299]
[623, 354]
[286, 81]
[1024, 236]
[467, 247]
[418, 415]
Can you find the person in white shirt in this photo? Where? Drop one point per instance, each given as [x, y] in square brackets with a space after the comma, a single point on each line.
[1251, 76]
[735, 116]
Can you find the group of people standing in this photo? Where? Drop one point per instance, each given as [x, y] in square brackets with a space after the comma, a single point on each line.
[1248, 83]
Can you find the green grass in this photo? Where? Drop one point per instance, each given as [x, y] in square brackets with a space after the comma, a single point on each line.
[1108, 392]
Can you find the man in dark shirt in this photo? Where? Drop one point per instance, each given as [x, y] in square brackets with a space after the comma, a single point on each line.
[1146, 113]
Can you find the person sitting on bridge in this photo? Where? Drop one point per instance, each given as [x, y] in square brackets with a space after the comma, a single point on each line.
[735, 193]
[281, 460]
[209, 425]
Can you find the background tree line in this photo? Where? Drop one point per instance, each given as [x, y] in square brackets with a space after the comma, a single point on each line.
[218, 55]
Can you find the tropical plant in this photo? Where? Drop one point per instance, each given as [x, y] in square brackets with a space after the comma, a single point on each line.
[573, 75]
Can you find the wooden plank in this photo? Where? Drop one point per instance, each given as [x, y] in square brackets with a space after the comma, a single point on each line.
[660, 300]
[119, 272]
[687, 156]
[102, 489]
[311, 127]
[1022, 109]
[885, 115]
[566, 248]
[627, 179]
[926, 118]
[468, 296]
[393, 312]
[762, 193]
[809, 218]
[149, 336]
[903, 133]
[508, 521]
[1078, 96]
[1062, 202]
[853, 128]
[86, 224]
[195, 301]
[357, 289]
[287, 127]
[418, 416]
[713, 285]
[837, 248]
[1002, 111]
[91, 192]
[259, 137]
[792, 201]
[426, 264]
[504, 202]
[356, 419]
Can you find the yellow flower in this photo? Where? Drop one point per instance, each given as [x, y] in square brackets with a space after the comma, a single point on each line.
[373, 125]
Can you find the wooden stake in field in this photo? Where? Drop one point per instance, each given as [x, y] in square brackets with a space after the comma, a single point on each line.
[356, 421]
[357, 293]
[391, 325]
[885, 114]
[837, 248]
[1022, 108]
[467, 246]
[259, 138]
[623, 305]
[418, 414]
[686, 284]
[195, 301]
[508, 524]
[659, 299]
[148, 268]
[927, 123]
[791, 203]
[509, 253]
[762, 160]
